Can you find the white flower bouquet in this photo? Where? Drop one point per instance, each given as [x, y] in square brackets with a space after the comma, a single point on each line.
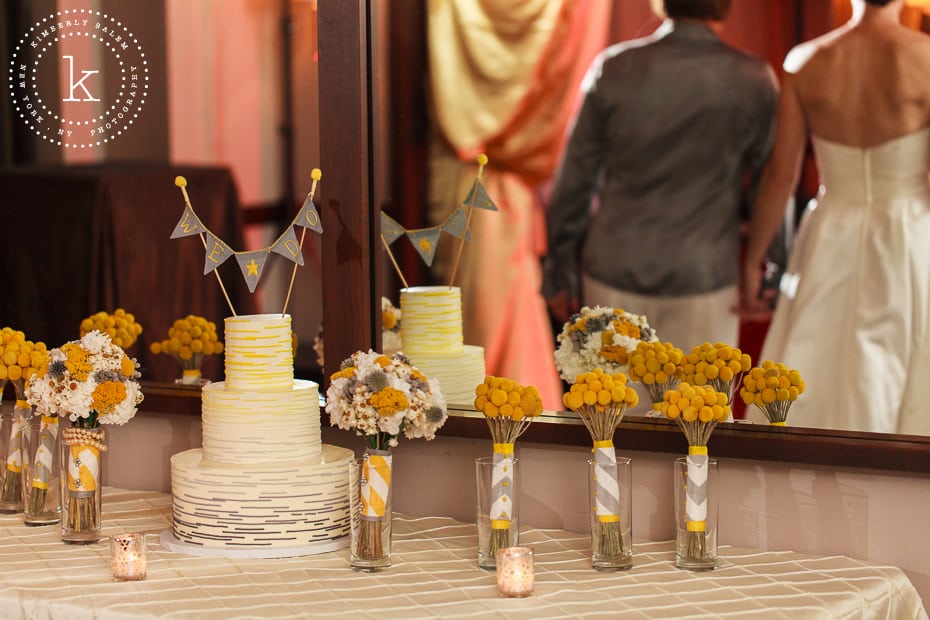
[600, 337]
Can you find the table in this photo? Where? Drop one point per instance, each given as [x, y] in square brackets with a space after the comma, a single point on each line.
[80, 239]
[434, 574]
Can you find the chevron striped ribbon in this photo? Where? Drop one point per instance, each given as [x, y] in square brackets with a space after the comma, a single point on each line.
[696, 495]
[45, 452]
[502, 487]
[376, 483]
[83, 468]
[14, 458]
[607, 493]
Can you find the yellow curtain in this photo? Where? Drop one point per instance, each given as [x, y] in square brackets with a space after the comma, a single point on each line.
[504, 77]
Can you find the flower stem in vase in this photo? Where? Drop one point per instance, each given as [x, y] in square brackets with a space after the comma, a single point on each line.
[501, 512]
[609, 541]
[375, 491]
[42, 463]
[11, 496]
[696, 503]
[81, 499]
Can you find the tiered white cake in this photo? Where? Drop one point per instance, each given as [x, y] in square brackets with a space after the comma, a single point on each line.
[263, 484]
[432, 339]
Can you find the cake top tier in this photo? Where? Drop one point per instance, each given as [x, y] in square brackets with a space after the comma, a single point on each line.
[432, 319]
[259, 353]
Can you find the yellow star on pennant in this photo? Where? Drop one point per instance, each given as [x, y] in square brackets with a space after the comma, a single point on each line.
[425, 245]
[252, 266]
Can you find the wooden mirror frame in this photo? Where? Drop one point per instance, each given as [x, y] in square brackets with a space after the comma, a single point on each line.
[350, 201]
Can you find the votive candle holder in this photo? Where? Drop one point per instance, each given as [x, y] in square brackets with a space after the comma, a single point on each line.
[128, 556]
[515, 571]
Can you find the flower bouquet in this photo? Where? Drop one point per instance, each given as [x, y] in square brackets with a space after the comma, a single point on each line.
[772, 388]
[189, 341]
[601, 400]
[19, 359]
[120, 326]
[717, 365]
[380, 397]
[90, 382]
[696, 409]
[658, 367]
[509, 409]
[599, 337]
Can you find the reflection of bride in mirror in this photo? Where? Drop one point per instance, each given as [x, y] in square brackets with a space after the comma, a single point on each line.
[854, 315]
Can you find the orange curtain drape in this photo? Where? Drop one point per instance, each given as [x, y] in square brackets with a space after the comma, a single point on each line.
[504, 76]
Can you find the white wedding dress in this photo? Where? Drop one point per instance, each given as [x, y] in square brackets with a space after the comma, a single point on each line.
[853, 312]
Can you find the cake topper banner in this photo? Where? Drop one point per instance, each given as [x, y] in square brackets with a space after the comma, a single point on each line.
[424, 240]
[251, 263]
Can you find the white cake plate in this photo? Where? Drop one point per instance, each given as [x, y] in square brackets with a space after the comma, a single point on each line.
[170, 542]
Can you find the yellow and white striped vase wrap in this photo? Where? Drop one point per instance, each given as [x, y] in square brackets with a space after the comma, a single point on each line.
[83, 468]
[376, 483]
[45, 452]
[696, 496]
[502, 487]
[607, 493]
[14, 458]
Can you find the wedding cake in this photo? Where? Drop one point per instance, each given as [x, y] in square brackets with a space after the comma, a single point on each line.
[432, 339]
[263, 484]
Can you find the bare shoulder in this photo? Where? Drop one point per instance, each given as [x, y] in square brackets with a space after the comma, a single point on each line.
[801, 55]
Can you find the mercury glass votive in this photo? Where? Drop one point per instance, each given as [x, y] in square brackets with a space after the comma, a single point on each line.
[515, 576]
[127, 553]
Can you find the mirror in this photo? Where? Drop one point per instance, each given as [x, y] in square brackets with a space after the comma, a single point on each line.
[356, 269]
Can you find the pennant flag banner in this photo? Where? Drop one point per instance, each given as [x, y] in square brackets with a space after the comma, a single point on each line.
[479, 198]
[390, 229]
[217, 253]
[308, 217]
[457, 225]
[288, 246]
[424, 241]
[252, 264]
[189, 224]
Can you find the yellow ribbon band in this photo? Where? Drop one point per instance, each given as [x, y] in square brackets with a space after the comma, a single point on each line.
[697, 450]
[783, 423]
[697, 526]
[503, 448]
[606, 443]
[14, 468]
[22, 404]
[500, 524]
[50, 419]
[39, 485]
[609, 518]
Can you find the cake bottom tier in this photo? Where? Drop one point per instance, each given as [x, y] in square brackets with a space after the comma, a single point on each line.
[241, 507]
[458, 373]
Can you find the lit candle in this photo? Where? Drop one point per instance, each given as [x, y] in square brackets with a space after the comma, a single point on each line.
[515, 571]
[128, 556]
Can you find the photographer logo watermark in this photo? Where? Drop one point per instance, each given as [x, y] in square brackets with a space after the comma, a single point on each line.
[78, 78]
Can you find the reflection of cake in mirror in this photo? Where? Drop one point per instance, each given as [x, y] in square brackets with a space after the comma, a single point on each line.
[263, 484]
[432, 339]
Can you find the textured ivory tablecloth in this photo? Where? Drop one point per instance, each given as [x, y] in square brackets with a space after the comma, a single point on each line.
[434, 574]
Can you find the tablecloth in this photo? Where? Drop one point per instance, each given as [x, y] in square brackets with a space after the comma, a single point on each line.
[434, 574]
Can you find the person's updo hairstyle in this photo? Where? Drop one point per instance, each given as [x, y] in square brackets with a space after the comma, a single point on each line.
[715, 10]
[878, 2]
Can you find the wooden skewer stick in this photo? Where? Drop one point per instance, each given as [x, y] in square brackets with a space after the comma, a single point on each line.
[394, 261]
[482, 162]
[181, 182]
[315, 175]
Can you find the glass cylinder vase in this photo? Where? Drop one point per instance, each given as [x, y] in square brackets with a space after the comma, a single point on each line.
[609, 485]
[12, 424]
[497, 506]
[41, 473]
[370, 507]
[81, 488]
[696, 512]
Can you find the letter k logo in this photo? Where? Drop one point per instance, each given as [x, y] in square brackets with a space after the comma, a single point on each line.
[79, 84]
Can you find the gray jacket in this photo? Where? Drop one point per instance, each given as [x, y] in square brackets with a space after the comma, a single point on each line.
[661, 166]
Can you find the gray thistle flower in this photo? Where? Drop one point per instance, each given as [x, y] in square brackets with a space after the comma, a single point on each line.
[56, 370]
[376, 381]
[348, 390]
[347, 363]
[435, 414]
[102, 376]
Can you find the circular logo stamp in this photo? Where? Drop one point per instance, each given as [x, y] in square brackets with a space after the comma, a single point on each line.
[78, 78]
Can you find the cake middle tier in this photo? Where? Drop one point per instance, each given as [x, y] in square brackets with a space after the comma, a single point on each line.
[261, 427]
